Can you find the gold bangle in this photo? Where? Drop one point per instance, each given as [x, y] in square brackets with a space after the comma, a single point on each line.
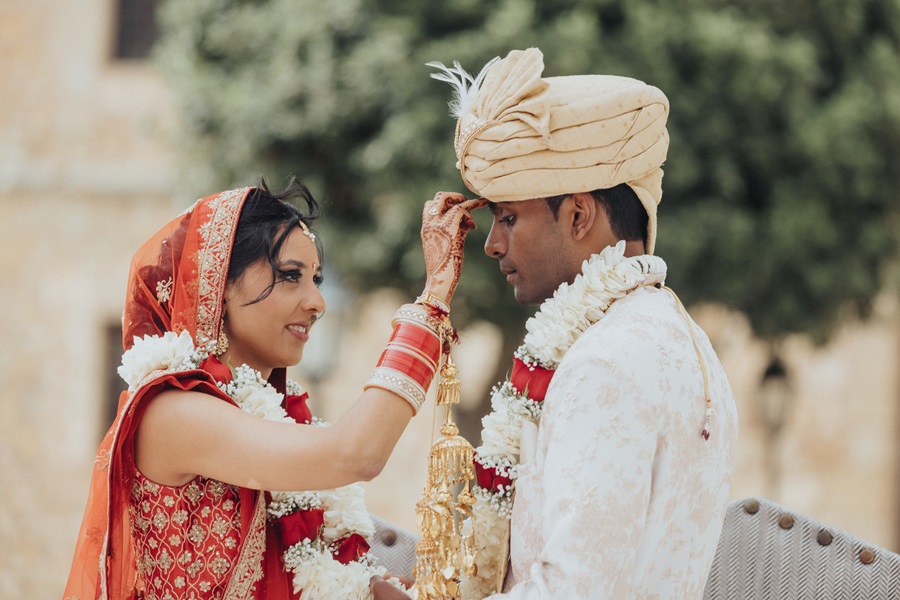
[429, 299]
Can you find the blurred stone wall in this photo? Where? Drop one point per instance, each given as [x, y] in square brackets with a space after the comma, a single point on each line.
[831, 449]
[87, 173]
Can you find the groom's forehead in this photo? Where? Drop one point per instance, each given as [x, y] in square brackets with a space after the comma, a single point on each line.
[498, 207]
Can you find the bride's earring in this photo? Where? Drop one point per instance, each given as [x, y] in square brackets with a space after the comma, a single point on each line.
[222, 341]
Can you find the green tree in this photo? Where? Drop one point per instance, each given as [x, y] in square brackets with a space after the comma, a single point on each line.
[780, 192]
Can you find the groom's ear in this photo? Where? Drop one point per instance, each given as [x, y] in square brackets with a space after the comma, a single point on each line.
[582, 214]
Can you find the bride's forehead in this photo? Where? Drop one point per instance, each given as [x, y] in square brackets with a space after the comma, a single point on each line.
[297, 245]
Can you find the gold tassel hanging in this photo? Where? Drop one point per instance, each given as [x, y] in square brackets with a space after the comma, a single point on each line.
[448, 389]
[444, 553]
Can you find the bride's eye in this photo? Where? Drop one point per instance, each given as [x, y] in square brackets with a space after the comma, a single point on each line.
[290, 276]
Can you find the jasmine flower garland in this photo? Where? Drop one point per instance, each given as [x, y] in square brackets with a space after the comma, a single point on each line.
[561, 320]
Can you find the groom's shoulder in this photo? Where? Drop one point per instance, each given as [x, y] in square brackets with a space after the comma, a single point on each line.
[615, 340]
[634, 332]
[637, 319]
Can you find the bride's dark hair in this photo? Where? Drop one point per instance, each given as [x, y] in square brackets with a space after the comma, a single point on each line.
[266, 220]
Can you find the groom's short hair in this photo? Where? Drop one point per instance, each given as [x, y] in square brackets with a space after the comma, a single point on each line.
[627, 216]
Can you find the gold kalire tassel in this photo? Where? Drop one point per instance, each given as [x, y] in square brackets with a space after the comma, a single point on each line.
[444, 553]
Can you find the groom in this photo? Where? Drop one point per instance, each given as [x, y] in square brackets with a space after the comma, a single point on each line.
[617, 428]
[604, 465]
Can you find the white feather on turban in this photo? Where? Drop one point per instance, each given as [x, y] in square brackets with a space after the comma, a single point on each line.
[520, 136]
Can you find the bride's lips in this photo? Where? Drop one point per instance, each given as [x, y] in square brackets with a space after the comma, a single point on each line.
[299, 330]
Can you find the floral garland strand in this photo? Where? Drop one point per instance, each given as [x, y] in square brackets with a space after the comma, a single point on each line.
[561, 320]
[326, 532]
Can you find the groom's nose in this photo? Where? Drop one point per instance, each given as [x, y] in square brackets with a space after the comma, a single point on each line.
[495, 245]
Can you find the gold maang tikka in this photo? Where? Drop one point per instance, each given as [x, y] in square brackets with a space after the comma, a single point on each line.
[444, 553]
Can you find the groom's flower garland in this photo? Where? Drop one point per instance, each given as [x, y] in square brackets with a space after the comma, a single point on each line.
[605, 278]
[326, 532]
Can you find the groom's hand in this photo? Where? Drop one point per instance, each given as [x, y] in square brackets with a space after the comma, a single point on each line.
[445, 223]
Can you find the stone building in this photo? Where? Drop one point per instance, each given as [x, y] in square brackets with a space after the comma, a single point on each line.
[88, 171]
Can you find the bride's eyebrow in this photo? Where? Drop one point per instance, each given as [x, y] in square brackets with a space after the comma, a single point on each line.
[299, 264]
[292, 262]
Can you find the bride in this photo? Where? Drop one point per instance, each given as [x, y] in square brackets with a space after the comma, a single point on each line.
[183, 500]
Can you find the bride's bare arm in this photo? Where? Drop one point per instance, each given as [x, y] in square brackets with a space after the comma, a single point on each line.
[183, 434]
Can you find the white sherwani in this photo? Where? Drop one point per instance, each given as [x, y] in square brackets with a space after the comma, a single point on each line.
[623, 498]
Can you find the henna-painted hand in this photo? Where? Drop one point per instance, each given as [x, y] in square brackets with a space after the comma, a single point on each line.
[445, 223]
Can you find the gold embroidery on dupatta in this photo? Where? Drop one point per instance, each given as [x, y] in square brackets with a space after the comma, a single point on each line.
[212, 262]
[101, 463]
[249, 567]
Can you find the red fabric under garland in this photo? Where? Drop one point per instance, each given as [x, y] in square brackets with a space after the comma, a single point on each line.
[532, 381]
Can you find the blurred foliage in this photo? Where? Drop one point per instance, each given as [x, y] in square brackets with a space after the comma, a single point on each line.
[780, 190]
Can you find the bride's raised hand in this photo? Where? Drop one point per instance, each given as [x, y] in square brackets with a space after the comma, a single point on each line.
[446, 220]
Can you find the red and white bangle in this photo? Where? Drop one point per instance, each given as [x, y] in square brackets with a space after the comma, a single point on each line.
[408, 363]
[412, 350]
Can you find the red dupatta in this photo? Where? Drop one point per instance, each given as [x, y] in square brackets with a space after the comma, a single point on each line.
[177, 283]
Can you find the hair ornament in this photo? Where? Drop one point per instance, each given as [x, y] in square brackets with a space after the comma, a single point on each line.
[307, 232]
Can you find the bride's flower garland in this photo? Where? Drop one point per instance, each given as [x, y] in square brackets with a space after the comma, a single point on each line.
[326, 532]
[605, 278]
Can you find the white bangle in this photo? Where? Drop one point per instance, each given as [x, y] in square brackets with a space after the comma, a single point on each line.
[398, 383]
[417, 314]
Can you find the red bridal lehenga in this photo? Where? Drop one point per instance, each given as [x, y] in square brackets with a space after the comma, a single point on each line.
[205, 539]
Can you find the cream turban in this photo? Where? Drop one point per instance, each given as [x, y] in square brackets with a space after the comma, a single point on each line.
[520, 136]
